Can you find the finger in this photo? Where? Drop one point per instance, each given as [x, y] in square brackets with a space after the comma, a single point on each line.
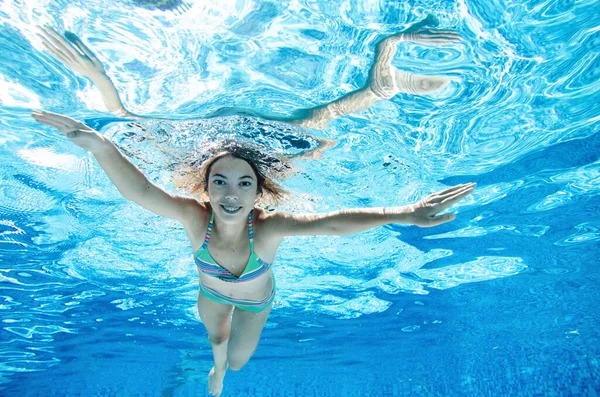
[449, 39]
[449, 190]
[48, 122]
[453, 192]
[54, 46]
[440, 31]
[63, 59]
[445, 32]
[47, 29]
[72, 37]
[47, 44]
[58, 119]
[56, 53]
[453, 199]
[66, 130]
[458, 196]
[458, 192]
[55, 115]
[66, 49]
[441, 219]
[84, 49]
[445, 201]
[59, 42]
[446, 39]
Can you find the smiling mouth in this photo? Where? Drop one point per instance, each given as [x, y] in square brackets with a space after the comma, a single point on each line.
[231, 210]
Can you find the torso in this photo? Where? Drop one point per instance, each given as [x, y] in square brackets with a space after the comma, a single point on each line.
[235, 257]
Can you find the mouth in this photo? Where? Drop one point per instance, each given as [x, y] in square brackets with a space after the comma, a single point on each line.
[230, 210]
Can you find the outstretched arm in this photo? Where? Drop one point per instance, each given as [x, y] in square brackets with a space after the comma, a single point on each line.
[130, 181]
[76, 55]
[384, 81]
[350, 221]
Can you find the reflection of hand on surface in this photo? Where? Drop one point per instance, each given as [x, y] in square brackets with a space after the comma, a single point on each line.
[422, 36]
[316, 153]
[76, 55]
[73, 53]
[388, 81]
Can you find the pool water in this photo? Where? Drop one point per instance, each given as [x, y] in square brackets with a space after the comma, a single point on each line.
[97, 296]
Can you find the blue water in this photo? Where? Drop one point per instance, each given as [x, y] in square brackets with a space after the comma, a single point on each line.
[98, 296]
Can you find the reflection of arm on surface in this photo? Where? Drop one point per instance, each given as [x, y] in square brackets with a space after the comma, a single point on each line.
[384, 81]
[111, 97]
[73, 53]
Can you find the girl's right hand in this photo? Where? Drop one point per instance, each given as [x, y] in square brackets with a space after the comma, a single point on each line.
[73, 53]
[79, 133]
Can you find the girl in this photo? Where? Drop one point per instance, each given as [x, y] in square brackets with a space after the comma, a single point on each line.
[234, 241]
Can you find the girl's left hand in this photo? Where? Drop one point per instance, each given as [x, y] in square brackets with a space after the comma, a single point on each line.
[80, 134]
[425, 212]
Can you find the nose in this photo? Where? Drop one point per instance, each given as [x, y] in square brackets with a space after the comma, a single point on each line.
[231, 194]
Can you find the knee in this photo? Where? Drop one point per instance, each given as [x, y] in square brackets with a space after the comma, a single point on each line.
[238, 359]
[218, 338]
[236, 364]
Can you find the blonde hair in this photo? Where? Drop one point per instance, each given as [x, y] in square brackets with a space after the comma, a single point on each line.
[192, 175]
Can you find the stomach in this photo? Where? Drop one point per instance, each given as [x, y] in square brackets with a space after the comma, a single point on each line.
[256, 289]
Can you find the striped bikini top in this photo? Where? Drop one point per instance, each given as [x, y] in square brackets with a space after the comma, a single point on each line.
[207, 265]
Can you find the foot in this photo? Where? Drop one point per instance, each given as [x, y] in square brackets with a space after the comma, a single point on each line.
[215, 382]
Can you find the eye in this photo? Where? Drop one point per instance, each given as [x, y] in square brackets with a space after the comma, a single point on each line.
[219, 182]
[245, 184]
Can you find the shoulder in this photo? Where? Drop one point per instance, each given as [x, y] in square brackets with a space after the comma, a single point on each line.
[194, 211]
[268, 229]
[269, 218]
[274, 222]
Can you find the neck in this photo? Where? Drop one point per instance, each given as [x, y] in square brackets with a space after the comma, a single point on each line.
[230, 231]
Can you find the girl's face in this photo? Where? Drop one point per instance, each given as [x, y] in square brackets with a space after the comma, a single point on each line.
[232, 189]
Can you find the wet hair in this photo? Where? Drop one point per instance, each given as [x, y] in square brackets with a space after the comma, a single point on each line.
[192, 176]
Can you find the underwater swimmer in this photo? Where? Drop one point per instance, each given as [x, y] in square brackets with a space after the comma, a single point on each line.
[235, 241]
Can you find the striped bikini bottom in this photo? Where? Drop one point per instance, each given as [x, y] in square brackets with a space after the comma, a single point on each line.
[242, 304]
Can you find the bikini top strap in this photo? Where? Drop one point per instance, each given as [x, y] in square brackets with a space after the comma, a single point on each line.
[251, 230]
[209, 230]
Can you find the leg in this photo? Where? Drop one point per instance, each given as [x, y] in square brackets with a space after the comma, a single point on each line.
[246, 327]
[216, 318]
